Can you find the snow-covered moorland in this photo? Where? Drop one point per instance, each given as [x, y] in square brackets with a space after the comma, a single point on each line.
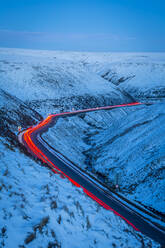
[39, 208]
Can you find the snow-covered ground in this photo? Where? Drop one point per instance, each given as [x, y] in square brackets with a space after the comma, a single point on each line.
[42, 79]
[38, 207]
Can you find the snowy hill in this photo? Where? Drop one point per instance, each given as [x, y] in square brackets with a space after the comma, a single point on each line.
[37, 207]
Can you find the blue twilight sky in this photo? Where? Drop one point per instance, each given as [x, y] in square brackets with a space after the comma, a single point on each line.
[83, 25]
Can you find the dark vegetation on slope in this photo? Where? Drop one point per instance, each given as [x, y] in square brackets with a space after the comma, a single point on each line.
[15, 113]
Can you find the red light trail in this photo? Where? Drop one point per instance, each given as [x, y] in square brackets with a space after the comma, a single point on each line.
[32, 147]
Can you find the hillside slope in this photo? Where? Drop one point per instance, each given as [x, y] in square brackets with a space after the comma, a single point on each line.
[39, 208]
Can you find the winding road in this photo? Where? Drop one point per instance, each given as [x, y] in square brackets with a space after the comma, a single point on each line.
[139, 218]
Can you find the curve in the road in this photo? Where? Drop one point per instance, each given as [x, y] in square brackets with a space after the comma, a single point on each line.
[139, 220]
